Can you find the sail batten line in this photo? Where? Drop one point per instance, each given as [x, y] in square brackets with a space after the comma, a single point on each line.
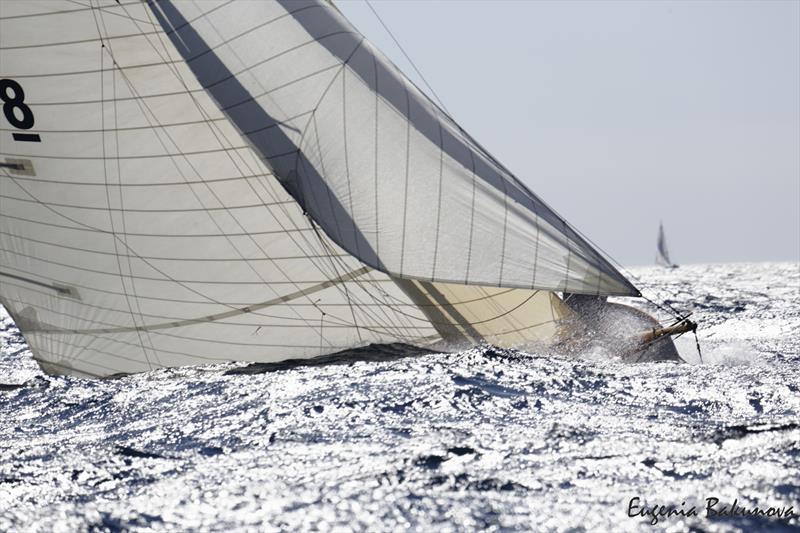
[115, 238]
[258, 313]
[212, 318]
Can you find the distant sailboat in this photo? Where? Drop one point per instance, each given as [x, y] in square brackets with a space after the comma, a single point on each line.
[662, 254]
[196, 182]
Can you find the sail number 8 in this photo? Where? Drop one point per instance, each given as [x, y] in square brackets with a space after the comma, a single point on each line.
[14, 99]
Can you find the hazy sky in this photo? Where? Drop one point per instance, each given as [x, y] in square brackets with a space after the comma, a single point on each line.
[619, 114]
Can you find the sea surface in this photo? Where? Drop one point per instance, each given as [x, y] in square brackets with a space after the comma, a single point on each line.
[484, 439]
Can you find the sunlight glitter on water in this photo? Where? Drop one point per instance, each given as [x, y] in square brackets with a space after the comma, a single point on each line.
[480, 439]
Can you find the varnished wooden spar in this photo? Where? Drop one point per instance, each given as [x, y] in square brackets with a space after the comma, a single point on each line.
[683, 326]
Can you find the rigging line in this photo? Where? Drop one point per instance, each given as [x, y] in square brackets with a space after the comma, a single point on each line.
[57, 244]
[65, 43]
[439, 199]
[160, 235]
[346, 157]
[333, 320]
[60, 12]
[471, 218]
[143, 184]
[389, 324]
[393, 319]
[644, 345]
[396, 322]
[325, 173]
[405, 180]
[346, 292]
[671, 311]
[381, 296]
[130, 210]
[108, 194]
[149, 278]
[124, 235]
[215, 317]
[569, 256]
[408, 58]
[108, 10]
[335, 258]
[697, 343]
[161, 318]
[496, 306]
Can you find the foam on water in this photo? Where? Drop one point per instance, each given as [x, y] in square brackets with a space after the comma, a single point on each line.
[480, 439]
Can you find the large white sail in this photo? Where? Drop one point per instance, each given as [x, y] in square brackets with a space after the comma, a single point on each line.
[213, 181]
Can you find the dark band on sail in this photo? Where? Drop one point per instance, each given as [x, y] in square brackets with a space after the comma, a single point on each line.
[434, 304]
[296, 173]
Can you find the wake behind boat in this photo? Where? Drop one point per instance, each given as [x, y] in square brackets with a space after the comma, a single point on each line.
[186, 183]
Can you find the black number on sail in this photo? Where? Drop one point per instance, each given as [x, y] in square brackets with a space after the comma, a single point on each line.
[15, 100]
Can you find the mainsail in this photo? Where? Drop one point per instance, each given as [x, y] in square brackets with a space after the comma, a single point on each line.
[662, 254]
[189, 182]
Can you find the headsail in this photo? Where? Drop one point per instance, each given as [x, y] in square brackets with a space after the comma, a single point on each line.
[388, 176]
[213, 181]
